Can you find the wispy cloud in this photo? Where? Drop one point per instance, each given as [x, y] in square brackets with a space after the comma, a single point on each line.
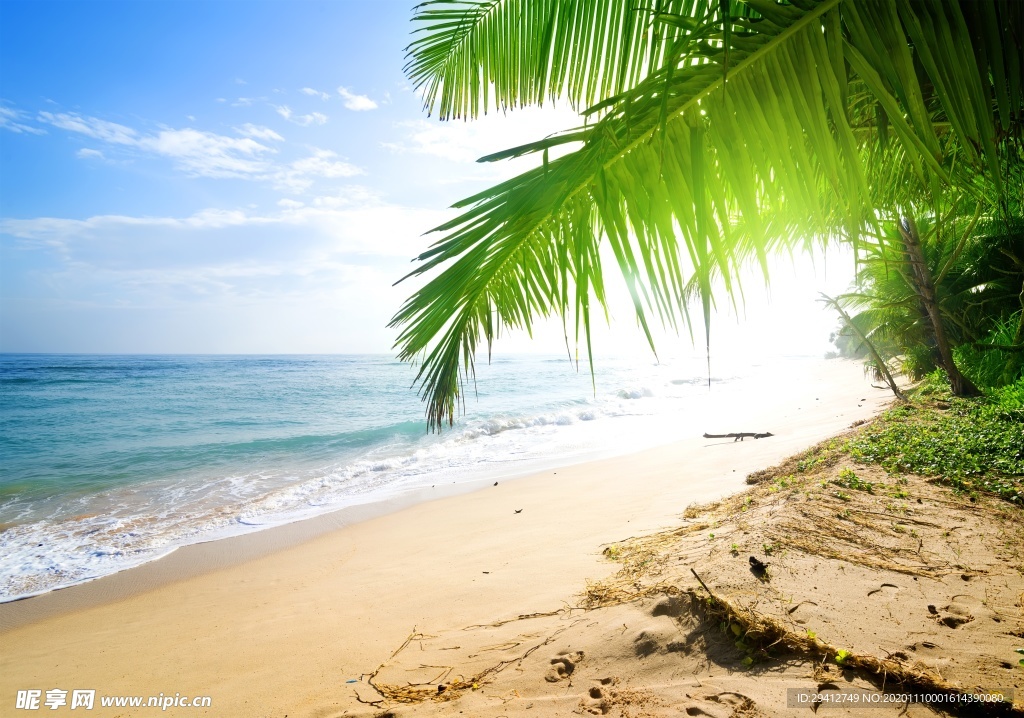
[282, 273]
[89, 154]
[91, 127]
[315, 93]
[207, 154]
[313, 118]
[356, 102]
[353, 220]
[12, 120]
[300, 175]
[258, 132]
[196, 152]
[56, 228]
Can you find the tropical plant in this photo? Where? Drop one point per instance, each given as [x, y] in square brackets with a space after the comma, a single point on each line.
[712, 133]
[998, 360]
[979, 287]
[881, 366]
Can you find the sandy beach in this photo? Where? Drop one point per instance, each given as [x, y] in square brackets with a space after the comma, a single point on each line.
[512, 359]
[292, 621]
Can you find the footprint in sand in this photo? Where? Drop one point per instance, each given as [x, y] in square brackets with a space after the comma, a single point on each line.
[598, 700]
[952, 616]
[645, 644]
[660, 636]
[957, 613]
[722, 705]
[562, 666]
[673, 606]
[886, 590]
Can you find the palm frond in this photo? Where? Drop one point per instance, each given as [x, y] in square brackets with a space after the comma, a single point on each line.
[686, 172]
[468, 56]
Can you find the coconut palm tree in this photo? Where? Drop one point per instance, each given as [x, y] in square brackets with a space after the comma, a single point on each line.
[979, 285]
[711, 134]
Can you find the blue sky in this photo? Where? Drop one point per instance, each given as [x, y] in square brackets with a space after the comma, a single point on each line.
[234, 176]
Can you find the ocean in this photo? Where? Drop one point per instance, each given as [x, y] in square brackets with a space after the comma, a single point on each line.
[107, 462]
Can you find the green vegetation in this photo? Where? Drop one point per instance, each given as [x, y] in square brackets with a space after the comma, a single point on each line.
[711, 135]
[977, 280]
[974, 445]
[850, 480]
[613, 552]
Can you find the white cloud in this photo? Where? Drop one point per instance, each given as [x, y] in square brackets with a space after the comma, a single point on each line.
[315, 93]
[357, 222]
[55, 228]
[313, 118]
[299, 175]
[322, 162]
[89, 154]
[356, 102]
[208, 154]
[11, 119]
[196, 152]
[258, 132]
[91, 127]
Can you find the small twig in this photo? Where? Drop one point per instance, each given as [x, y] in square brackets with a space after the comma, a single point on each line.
[695, 575]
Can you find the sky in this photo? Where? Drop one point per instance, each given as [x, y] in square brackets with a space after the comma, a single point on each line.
[244, 176]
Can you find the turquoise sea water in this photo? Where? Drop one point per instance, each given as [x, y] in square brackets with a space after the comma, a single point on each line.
[111, 461]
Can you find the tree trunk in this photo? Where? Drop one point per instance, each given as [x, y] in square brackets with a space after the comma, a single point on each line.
[921, 280]
[883, 368]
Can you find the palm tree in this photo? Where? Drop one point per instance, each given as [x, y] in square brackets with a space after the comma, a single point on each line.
[712, 133]
[979, 285]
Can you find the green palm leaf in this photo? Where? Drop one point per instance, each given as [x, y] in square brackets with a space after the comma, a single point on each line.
[685, 171]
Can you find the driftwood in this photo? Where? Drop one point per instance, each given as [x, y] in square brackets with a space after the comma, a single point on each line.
[738, 436]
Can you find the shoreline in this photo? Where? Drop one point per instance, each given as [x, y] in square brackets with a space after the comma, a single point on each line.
[135, 522]
[234, 618]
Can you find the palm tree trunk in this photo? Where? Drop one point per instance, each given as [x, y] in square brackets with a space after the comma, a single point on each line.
[921, 280]
[883, 368]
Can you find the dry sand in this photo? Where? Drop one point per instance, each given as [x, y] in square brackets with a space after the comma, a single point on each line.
[276, 629]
